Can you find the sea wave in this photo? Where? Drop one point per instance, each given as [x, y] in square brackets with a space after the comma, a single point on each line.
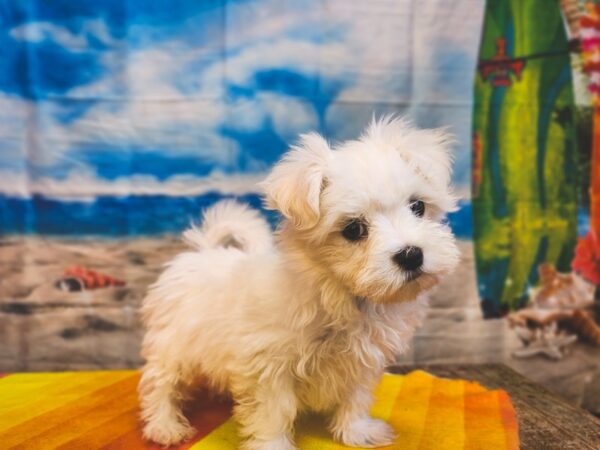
[86, 187]
[110, 216]
[136, 215]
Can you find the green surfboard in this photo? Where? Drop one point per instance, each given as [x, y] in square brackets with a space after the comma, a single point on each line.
[524, 189]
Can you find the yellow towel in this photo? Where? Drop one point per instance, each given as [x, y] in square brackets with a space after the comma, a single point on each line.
[90, 410]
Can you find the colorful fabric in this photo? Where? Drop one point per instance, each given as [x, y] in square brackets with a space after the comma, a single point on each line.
[89, 410]
[587, 252]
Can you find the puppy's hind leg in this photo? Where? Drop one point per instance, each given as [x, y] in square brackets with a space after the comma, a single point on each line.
[266, 411]
[353, 426]
[160, 400]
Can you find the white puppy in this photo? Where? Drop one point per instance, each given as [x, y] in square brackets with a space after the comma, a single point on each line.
[307, 321]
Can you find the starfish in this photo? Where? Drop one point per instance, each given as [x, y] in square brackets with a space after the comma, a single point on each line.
[548, 344]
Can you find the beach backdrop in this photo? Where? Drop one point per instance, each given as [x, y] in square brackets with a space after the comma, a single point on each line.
[120, 121]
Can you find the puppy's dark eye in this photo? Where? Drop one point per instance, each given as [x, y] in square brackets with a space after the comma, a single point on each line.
[355, 230]
[417, 207]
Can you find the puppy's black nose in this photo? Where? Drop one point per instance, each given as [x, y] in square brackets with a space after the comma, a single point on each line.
[409, 258]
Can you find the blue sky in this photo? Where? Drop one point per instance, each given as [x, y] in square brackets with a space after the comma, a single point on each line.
[110, 96]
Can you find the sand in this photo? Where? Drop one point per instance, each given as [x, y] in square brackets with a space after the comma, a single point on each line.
[30, 266]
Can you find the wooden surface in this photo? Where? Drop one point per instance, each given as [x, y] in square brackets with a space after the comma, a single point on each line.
[545, 420]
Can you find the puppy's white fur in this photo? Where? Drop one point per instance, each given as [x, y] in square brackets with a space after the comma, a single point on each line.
[311, 321]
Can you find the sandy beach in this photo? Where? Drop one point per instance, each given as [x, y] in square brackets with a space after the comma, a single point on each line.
[29, 267]
[45, 328]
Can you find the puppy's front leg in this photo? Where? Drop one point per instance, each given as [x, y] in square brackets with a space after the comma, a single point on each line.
[352, 424]
[266, 411]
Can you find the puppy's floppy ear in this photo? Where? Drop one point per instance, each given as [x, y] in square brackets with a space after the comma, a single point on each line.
[294, 185]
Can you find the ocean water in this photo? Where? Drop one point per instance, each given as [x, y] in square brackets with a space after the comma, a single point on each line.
[140, 215]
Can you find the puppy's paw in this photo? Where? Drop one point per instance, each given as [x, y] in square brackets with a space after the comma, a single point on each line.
[168, 433]
[280, 443]
[366, 432]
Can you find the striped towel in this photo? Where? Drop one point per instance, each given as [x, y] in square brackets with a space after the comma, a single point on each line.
[90, 410]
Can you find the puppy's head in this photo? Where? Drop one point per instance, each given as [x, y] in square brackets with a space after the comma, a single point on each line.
[369, 211]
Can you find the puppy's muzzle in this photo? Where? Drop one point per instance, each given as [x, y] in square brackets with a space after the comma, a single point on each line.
[409, 259]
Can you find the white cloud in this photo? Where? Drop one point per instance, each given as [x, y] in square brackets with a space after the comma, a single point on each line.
[36, 32]
[40, 31]
[291, 116]
[378, 54]
[154, 114]
[17, 121]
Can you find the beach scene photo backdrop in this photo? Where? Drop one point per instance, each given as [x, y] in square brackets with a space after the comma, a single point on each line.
[120, 121]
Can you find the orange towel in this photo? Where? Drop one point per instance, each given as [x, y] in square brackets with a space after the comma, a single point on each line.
[90, 410]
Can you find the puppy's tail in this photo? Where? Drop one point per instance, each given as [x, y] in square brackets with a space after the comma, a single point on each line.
[231, 224]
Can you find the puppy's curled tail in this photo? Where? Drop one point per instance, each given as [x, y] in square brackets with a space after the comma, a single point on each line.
[231, 224]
